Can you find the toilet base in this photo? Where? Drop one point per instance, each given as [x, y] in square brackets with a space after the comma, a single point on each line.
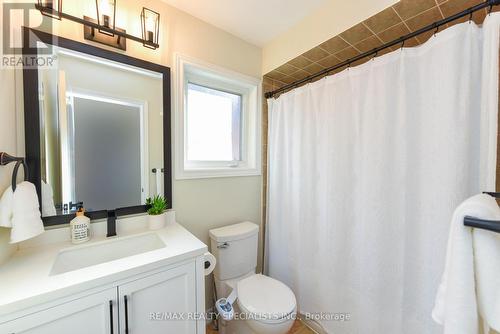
[240, 326]
[234, 327]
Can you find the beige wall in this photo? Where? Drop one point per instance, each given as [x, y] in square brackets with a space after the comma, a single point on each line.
[200, 204]
[329, 20]
[8, 144]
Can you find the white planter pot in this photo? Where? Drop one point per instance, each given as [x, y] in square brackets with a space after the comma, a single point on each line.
[157, 222]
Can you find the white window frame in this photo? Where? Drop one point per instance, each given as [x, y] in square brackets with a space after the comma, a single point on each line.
[201, 73]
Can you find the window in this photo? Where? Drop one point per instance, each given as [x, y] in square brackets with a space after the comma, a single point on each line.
[217, 122]
[213, 124]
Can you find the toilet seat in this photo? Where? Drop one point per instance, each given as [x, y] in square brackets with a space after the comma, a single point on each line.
[265, 299]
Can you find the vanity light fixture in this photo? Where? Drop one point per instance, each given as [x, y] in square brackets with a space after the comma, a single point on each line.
[52, 8]
[150, 27]
[103, 29]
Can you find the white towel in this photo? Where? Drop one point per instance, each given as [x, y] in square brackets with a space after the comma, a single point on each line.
[24, 213]
[48, 207]
[26, 221]
[487, 265]
[6, 208]
[456, 306]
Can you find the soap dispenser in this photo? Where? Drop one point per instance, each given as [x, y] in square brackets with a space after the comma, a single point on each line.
[80, 227]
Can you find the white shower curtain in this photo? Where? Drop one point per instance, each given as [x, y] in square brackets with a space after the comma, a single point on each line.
[365, 170]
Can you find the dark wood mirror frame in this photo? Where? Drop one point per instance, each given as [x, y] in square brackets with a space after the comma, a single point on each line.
[32, 117]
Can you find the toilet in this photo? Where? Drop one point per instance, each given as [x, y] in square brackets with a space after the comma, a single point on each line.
[264, 305]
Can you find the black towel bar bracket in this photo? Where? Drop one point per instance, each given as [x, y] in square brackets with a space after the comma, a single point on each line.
[6, 159]
[490, 225]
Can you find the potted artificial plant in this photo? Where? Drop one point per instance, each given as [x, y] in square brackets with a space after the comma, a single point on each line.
[157, 211]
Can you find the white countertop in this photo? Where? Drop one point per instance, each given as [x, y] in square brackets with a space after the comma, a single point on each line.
[25, 279]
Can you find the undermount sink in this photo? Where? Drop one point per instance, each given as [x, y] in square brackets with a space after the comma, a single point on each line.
[105, 251]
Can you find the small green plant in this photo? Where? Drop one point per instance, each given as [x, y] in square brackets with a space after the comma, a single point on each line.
[156, 205]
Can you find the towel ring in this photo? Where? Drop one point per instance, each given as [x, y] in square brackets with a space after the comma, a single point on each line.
[14, 173]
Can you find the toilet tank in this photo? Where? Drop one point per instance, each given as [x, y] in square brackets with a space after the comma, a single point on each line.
[235, 247]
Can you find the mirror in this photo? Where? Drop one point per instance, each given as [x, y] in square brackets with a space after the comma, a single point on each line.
[101, 125]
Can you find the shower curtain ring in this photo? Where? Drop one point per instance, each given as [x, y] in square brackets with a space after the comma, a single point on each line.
[470, 17]
[436, 31]
[490, 9]
[375, 54]
[403, 44]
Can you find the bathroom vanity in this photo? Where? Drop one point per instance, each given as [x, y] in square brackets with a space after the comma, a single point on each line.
[140, 282]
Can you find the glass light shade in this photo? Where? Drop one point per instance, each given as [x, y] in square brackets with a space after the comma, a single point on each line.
[106, 10]
[51, 8]
[150, 27]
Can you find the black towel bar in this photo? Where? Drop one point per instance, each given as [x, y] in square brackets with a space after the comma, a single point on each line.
[6, 159]
[490, 225]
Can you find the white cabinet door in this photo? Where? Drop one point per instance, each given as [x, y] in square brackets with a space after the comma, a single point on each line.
[161, 303]
[96, 314]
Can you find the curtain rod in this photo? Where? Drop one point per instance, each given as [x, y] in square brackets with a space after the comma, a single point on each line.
[434, 26]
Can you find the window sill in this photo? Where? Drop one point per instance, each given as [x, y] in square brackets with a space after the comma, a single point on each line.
[216, 173]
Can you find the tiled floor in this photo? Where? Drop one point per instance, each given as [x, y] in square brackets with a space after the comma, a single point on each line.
[298, 328]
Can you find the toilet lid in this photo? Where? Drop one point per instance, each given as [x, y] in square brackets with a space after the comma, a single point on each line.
[265, 297]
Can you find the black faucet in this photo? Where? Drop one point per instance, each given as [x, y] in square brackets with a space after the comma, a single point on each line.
[111, 223]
